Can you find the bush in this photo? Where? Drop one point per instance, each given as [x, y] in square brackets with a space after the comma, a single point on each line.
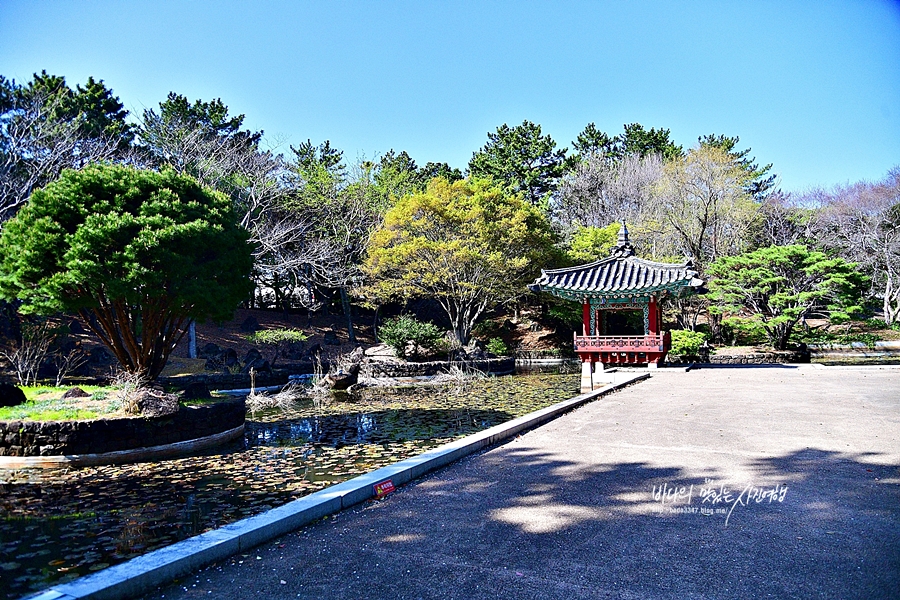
[820, 336]
[408, 335]
[879, 324]
[275, 336]
[497, 347]
[278, 338]
[687, 343]
[741, 331]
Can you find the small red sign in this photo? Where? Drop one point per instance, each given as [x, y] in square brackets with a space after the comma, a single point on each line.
[383, 489]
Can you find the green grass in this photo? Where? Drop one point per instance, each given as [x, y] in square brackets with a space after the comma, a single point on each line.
[41, 392]
[64, 414]
[45, 403]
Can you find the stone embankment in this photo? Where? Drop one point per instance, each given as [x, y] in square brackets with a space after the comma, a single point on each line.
[99, 436]
[721, 357]
[494, 366]
[855, 350]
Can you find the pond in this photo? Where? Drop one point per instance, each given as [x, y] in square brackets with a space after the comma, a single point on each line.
[59, 525]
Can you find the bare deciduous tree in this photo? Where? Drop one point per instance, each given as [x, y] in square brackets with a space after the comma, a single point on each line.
[27, 358]
[602, 190]
[863, 222]
[786, 220]
[306, 234]
[701, 209]
[35, 147]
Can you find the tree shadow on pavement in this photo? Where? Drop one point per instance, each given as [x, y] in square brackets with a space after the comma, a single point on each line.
[812, 523]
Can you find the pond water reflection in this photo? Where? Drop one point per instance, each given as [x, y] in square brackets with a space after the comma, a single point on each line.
[58, 525]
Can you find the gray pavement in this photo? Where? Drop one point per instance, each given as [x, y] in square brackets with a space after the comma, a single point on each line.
[715, 483]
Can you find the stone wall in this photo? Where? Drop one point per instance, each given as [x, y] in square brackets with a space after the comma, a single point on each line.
[232, 381]
[756, 358]
[53, 438]
[498, 366]
[856, 351]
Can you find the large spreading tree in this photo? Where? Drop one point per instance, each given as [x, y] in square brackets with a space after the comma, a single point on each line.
[469, 245]
[780, 285]
[137, 254]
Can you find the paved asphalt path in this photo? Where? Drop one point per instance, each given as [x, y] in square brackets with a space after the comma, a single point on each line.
[609, 501]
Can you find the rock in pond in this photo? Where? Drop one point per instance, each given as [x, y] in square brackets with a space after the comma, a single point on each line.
[156, 403]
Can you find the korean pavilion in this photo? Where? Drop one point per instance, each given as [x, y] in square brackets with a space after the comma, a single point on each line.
[620, 296]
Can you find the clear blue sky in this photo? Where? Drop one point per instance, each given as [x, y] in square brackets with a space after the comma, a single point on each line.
[811, 86]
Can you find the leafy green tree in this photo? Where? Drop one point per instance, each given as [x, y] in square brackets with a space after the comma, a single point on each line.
[211, 118]
[592, 141]
[522, 159]
[635, 140]
[309, 160]
[395, 176]
[203, 140]
[433, 169]
[278, 339]
[97, 112]
[643, 142]
[760, 180]
[780, 285]
[101, 114]
[686, 342]
[137, 254]
[468, 245]
[593, 243]
[321, 173]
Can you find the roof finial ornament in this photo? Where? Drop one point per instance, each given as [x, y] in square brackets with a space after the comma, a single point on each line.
[623, 246]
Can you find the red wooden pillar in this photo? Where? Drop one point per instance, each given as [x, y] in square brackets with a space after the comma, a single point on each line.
[653, 316]
[586, 317]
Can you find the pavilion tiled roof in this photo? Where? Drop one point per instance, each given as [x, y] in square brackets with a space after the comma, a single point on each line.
[621, 274]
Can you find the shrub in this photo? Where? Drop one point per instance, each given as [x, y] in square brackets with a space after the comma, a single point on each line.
[687, 343]
[742, 331]
[277, 338]
[408, 335]
[37, 337]
[820, 336]
[497, 347]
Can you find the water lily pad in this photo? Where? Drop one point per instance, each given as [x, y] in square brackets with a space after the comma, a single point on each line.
[95, 516]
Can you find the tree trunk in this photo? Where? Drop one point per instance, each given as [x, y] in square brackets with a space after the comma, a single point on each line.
[715, 326]
[348, 312]
[891, 304]
[375, 323]
[192, 339]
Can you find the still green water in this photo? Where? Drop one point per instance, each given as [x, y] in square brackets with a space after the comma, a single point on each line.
[59, 525]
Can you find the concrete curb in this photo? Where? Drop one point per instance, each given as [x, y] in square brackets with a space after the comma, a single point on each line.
[141, 574]
[854, 367]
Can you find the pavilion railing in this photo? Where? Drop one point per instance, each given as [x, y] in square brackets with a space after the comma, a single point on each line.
[623, 343]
